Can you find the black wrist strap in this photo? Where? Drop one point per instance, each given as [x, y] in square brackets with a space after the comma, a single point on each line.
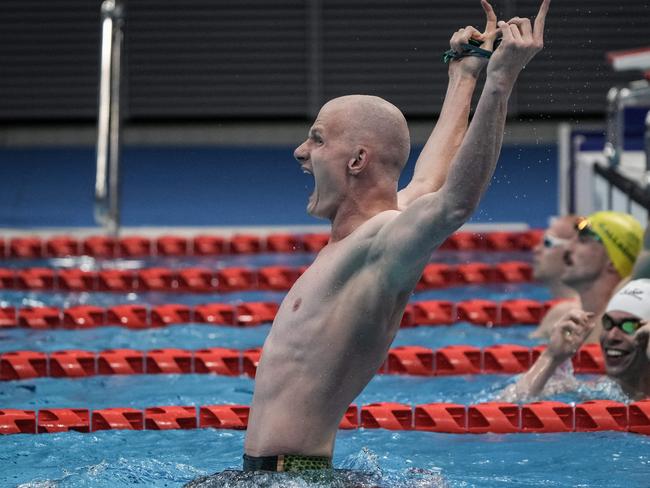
[470, 49]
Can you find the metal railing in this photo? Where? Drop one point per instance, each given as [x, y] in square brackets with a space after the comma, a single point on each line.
[107, 187]
[636, 94]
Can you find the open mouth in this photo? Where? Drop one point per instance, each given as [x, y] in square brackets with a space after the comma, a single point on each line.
[615, 356]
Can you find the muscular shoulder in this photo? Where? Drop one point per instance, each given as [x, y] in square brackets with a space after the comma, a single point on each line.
[372, 226]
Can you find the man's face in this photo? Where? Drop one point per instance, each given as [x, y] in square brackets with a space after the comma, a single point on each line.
[325, 155]
[548, 255]
[624, 359]
[585, 259]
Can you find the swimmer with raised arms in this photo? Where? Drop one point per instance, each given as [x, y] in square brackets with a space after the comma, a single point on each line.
[336, 324]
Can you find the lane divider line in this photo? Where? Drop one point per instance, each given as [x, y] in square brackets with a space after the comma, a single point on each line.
[137, 246]
[485, 313]
[235, 279]
[491, 417]
[402, 360]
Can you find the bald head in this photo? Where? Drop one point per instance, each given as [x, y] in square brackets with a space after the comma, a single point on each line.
[377, 123]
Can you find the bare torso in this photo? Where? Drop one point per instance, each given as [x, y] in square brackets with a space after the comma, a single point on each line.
[329, 338]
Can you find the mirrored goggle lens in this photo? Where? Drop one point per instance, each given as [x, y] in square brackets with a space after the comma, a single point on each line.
[628, 326]
[585, 231]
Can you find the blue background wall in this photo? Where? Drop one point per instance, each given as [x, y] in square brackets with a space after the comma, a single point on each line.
[195, 186]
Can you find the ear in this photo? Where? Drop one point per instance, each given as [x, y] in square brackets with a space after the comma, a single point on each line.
[612, 269]
[357, 164]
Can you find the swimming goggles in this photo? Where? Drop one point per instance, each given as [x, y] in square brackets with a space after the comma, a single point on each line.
[472, 48]
[627, 325]
[585, 232]
[549, 241]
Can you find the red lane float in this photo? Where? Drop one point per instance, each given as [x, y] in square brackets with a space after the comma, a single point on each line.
[117, 419]
[168, 361]
[225, 280]
[13, 421]
[589, 359]
[497, 417]
[387, 415]
[134, 246]
[218, 360]
[172, 246]
[547, 417]
[72, 364]
[21, 365]
[168, 418]
[411, 360]
[639, 417]
[460, 359]
[8, 317]
[493, 417]
[441, 417]
[63, 419]
[350, 419]
[120, 361]
[600, 415]
[224, 417]
[139, 316]
[402, 360]
[506, 358]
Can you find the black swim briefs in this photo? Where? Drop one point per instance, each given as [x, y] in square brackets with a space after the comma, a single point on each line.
[286, 463]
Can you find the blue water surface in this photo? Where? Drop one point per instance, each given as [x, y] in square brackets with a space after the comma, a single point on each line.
[398, 459]
[403, 459]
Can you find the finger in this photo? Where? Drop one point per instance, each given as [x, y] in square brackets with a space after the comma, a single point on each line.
[575, 315]
[472, 32]
[506, 34]
[540, 20]
[463, 36]
[490, 16]
[516, 33]
[456, 40]
[523, 24]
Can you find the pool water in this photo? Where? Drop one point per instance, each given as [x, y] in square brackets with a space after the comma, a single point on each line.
[172, 458]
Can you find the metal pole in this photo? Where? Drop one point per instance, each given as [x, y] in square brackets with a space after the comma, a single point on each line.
[107, 197]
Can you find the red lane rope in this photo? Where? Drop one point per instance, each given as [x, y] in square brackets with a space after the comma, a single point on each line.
[135, 246]
[496, 417]
[403, 360]
[479, 312]
[234, 279]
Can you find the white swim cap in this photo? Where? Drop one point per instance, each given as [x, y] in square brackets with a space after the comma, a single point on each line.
[633, 298]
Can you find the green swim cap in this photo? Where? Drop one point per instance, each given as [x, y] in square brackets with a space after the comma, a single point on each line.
[622, 236]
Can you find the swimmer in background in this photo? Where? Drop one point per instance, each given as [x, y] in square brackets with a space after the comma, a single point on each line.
[335, 326]
[549, 266]
[623, 339]
[601, 254]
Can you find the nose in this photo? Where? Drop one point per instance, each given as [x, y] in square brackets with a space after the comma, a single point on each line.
[301, 153]
[614, 336]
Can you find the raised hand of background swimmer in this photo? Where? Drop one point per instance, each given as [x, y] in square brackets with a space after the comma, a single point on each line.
[642, 338]
[569, 333]
[473, 65]
[520, 41]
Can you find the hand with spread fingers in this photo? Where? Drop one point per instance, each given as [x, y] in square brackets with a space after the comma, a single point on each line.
[473, 65]
[642, 338]
[570, 333]
[520, 41]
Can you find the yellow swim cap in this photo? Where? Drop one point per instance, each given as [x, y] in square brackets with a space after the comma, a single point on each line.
[622, 236]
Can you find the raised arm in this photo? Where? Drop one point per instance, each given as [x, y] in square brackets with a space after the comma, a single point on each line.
[568, 334]
[433, 163]
[406, 242]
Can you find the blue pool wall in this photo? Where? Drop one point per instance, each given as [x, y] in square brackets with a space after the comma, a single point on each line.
[228, 186]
